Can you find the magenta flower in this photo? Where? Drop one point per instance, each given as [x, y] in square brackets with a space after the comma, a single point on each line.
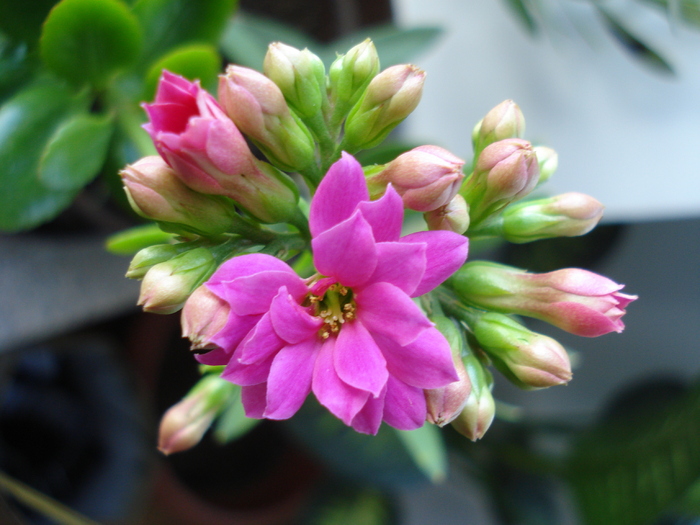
[350, 334]
[207, 151]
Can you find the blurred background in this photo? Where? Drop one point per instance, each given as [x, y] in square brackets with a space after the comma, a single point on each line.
[84, 376]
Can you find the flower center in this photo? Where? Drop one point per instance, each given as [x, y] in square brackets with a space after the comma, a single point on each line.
[336, 306]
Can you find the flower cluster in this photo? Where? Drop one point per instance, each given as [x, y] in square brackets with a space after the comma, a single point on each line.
[333, 300]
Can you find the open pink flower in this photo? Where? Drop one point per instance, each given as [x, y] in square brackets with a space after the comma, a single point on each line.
[351, 334]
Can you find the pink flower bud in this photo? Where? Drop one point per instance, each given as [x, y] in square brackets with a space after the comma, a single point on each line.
[155, 192]
[575, 300]
[480, 408]
[505, 171]
[566, 215]
[529, 359]
[148, 257]
[185, 423]
[390, 97]
[205, 149]
[203, 316]
[505, 121]
[257, 106]
[426, 177]
[453, 216]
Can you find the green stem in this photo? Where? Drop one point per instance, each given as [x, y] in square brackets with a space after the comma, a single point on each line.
[454, 307]
[285, 245]
[301, 223]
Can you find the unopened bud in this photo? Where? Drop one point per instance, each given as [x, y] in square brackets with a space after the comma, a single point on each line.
[257, 106]
[505, 121]
[185, 423]
[300, 75]
[505, 171]
[444, 404]
[349, 75]
[548, 160]
[203, 316]
[426, 177]
[478, 412]
[453, 216]
[155, 192]
[389, 98]
[566, 215]
[528, 359]
[148, 257]
[167, 285]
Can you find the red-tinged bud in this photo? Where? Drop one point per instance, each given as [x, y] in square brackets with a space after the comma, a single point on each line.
[203, 316]
[478, 412]
[167, 285]
[505, 171]
[349, 76]
[453, 216]
[185, 423]
[505, 121]
[427, 177]
[566, 215]
[575, 300]
[156, 192]
[389, 98]
[529, 359]
[300, 75]
[548, 160]
[257, 106]
[148, 257]
[445, 404]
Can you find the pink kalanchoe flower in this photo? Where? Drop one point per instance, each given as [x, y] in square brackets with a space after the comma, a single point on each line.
[208, 152]
[350, 334]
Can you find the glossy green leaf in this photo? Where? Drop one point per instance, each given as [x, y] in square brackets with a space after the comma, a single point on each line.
[426, 447]
[130, 241]
[171, 23]
[88, 41]
[195, 62]
[22, 21]
[76, 152]
[27, 122]
[16, 67]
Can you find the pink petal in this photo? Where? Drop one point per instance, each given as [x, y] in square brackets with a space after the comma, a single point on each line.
[579, 282]
[404, 406]
[291, 321]
[260, 343]
[341, 399]
[347, 251]
[236, 328]
[216, 357]
[401, 264]
[385, 215]
[254, 399]
[290, 379]
[253, 294]
[446, 253]
[581, 320]
[424, 363]
[247, 375]
[369, 418]
[385, 309]
[358, 360]
[339, 193]
[245, 265]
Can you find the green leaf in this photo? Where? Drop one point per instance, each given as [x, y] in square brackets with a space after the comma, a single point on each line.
[426, 447]
[247, 37]
[89, 41]
[16, 67]
[631, 468]
[195, 62]
[170, 23]
[22, 21]
[130, 241]
[233, 423]
[76, 152]
[27, 122]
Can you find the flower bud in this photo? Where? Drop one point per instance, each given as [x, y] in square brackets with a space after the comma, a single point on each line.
[478, 412]
[567, 215]
[185, 423]
[505, 121]
[548, 161]
[505, 171]
[148, 257]
[167, 285]
[426, 177]
[389, 98]
[453, 216]
[257, 106]
[444, 404]
[575, 300]
[349, 75]
[155, 192]
[203, 316]
[300, 75]
[208, 153]
[527, 358]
